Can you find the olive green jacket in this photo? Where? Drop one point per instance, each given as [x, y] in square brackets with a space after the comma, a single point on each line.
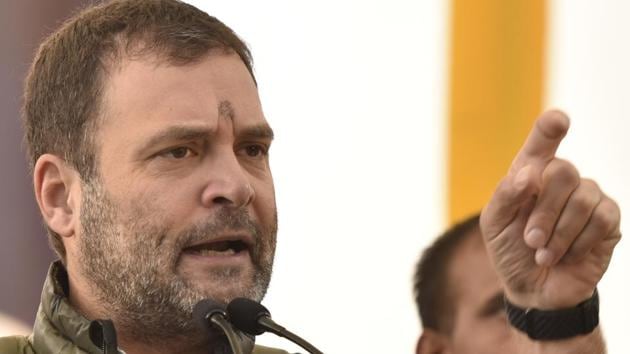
[59, 329]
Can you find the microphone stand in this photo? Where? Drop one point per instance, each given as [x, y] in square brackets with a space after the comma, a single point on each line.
[278, 330]
[225, 326]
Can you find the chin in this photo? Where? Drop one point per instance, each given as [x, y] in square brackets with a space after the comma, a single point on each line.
[226, 291]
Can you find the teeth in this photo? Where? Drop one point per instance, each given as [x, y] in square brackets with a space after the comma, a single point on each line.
[208, 252]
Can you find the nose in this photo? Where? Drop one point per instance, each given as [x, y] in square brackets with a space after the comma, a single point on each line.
[228, 184]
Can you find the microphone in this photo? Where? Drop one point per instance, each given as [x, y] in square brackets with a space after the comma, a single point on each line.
[210, 314]
[253, 318]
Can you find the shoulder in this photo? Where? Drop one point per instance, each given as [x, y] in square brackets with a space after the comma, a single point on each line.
[15, 345]
[259, 349]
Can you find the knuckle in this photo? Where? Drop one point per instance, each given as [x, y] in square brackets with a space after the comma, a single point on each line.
[590, 185]
[584, 199]
[505, 189]
[563, 171]
[606, 215]
[582, 203]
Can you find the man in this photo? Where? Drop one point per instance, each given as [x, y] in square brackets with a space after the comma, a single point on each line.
[149, 153]
[150, 164]
[459, 296]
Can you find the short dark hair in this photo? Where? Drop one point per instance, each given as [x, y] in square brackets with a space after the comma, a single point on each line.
[63, 90]
[431, 283]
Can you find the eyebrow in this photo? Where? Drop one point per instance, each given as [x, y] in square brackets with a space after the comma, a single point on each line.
[180, 133]
[491, 305]
[258, 131]
[175, 133]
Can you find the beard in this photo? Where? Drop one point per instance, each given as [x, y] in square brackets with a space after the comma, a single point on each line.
[130, 264]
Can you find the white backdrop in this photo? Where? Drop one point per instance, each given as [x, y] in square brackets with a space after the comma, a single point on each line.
[589, 77]
[356, 93]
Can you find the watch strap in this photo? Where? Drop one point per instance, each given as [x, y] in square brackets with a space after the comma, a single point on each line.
[555, 324]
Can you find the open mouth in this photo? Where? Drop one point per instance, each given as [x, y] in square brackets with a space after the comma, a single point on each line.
[218, 248]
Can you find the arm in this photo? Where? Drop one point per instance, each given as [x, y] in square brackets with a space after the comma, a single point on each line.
[550, 234]
[592, 343]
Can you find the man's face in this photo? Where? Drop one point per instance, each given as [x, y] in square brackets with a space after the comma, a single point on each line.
[183, 207]
[480, 324]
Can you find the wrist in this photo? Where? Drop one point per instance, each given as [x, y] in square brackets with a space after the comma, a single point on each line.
[548, 302]
[555, 324]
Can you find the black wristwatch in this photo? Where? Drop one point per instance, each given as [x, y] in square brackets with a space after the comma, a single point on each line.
[555, 324]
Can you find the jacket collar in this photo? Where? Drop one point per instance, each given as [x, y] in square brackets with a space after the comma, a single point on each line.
[61, 329]
[58, 327]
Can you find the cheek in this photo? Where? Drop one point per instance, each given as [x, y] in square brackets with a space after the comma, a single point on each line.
[265, 199]
[175, 199]
[481, 335]
[148, 210]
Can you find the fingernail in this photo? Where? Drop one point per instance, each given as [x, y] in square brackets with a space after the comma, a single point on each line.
[544, 257]
[535, 238]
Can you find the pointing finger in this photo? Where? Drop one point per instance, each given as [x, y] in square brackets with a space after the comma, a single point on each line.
[543, 141]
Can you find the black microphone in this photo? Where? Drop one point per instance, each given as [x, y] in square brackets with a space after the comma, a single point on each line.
[211, 314]
[253, 318]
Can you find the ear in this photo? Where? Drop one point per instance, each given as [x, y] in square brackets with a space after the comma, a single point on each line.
[432, 342]
[58, 193]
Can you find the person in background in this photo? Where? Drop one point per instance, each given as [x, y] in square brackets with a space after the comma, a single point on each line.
[459, 296]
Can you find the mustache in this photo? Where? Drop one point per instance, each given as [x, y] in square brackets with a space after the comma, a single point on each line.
[226, 219]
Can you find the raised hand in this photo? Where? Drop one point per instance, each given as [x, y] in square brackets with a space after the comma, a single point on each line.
[549, 232]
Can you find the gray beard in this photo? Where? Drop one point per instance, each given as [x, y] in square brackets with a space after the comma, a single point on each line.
[130, 263]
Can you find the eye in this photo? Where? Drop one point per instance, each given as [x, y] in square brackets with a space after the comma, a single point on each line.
[255, 150]
[179, 152]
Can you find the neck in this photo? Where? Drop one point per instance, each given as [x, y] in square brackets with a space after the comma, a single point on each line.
[211, 343]
[80, 295]
[180, 345]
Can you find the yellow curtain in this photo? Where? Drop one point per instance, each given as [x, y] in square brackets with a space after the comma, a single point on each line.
[496, 90]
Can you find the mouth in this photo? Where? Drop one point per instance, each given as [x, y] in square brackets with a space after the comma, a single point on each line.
[226, 248]
[221, 248]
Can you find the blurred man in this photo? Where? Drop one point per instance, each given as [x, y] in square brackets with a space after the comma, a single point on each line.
[460, 297]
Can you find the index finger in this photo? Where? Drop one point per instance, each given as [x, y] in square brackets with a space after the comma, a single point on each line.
[543, 140]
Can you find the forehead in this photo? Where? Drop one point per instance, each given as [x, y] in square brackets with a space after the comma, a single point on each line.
[471, 275]
[147, 92]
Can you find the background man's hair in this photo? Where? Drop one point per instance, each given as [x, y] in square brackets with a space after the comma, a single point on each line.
[431, 283]
[63, 90]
